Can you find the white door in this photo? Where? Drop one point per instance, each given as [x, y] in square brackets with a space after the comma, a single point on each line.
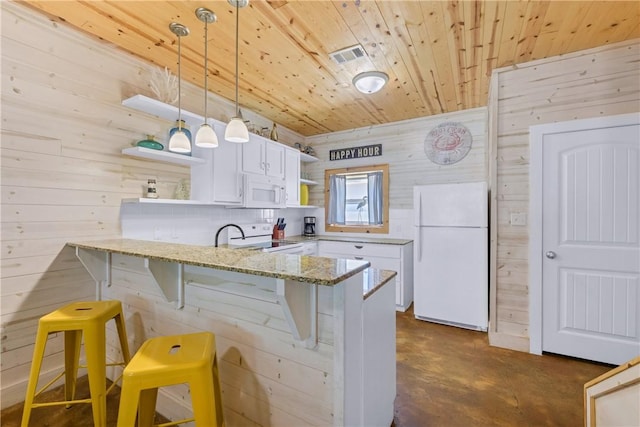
[590, 243]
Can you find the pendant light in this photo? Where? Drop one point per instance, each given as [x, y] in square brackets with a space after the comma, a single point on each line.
[236, 129]
[179, 141]
[206, 137]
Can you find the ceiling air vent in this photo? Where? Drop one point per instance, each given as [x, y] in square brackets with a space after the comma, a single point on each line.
[349, 54]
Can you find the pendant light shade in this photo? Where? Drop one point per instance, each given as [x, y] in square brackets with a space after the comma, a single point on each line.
[179, 141]
[236, 129]
[206, 137]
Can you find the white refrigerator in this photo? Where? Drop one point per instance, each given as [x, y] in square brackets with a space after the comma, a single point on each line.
[451, 254]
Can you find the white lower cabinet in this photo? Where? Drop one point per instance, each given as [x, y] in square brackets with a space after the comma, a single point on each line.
[310, 248]
[383, 256]
[378, 358]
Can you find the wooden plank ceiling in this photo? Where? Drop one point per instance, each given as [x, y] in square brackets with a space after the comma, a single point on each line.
[438, 54]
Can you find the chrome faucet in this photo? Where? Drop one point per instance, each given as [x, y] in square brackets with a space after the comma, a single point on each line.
[225, 226]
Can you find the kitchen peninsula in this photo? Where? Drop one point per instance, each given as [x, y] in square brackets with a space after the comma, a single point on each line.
[300, 340]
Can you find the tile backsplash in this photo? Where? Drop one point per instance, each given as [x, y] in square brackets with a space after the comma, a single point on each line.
[197, 225]
[194, 224]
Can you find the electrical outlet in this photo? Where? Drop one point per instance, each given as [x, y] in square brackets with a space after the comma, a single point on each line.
[518, 219]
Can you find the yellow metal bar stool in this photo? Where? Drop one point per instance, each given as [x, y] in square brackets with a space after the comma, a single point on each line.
[170, 360]
[88, 318]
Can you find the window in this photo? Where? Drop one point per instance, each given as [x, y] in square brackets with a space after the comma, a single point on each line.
[356, 199]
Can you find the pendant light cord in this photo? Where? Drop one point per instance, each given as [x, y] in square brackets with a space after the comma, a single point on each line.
[206, 70]
[179, 87]
[237, 24]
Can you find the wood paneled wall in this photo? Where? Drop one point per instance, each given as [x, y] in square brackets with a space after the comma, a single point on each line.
[63, 175]
[403, 148]
[598, 82]
[267, 378]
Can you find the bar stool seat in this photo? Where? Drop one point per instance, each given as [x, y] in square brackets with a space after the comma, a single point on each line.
[78, 319]
[170, 360]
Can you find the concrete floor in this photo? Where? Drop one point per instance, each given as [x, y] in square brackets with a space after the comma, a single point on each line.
[446, 377]
[451, 377]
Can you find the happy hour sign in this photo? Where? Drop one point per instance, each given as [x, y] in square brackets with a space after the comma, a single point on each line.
[356, 152]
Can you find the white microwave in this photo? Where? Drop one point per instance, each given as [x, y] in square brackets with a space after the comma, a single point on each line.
[264, 192]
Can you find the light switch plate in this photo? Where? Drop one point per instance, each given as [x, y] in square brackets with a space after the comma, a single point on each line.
[518, 219]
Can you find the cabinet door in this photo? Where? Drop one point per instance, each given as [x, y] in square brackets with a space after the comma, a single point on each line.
[274, 159]
[253, 157]
[292, 176]
[227, 178]
[219, 179]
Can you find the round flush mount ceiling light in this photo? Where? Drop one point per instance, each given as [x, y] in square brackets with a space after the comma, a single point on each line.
[370, 81]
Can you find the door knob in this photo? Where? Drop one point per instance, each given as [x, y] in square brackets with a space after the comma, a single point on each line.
[550, 254]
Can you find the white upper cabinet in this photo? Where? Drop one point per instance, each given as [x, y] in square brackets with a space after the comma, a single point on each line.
[292, 176]
[219, 180]
[263, 157]
[275, 159]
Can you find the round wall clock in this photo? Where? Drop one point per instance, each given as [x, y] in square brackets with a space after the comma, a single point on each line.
[447, 143]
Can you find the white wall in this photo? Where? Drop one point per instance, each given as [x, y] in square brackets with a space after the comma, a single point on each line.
[403, 149]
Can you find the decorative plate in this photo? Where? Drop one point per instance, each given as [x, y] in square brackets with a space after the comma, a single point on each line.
[447, 143]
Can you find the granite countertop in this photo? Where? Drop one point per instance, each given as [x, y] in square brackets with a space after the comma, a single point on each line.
[350, 239]
[316, 270]
[373, 279]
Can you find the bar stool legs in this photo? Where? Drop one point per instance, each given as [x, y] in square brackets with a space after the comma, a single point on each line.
[75, 320]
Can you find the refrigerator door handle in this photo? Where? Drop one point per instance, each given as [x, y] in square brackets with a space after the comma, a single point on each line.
[417, 219]
[418, 223]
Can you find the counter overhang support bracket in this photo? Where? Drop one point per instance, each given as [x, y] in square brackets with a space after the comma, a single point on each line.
[299, 302]
[98, 264]
[169, 277]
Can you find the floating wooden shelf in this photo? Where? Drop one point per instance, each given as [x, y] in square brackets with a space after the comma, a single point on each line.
[165, 201]
[165, 111]
[306, 158]
[162, 156]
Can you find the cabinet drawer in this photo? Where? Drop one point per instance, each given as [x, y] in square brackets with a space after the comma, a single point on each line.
[310, 248]
[360, 249]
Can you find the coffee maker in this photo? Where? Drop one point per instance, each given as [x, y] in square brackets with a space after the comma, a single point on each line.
[309, 226]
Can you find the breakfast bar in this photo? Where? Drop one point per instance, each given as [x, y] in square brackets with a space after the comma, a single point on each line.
[301, 340]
